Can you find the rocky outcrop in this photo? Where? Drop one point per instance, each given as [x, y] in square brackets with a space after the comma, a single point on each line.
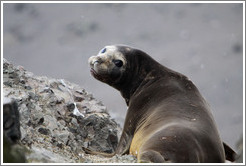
[57, 118]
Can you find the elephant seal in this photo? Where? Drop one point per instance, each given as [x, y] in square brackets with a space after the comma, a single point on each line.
[167, 118]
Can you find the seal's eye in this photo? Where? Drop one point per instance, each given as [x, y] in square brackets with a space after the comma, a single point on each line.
[118, 63]
[104, 50]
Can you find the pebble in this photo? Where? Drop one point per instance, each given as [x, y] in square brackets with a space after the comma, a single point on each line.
[44, 131]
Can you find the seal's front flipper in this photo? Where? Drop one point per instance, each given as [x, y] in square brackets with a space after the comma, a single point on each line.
[88, 151]
[151, 156]
[229, 153]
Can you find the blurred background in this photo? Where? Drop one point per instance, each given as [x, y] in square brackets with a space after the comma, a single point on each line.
[202, 41]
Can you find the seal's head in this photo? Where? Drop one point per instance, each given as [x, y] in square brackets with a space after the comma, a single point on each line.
[123, 68]
[109, 65]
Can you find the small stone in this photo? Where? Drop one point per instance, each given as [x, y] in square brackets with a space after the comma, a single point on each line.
[59, 145]
[62, 122]
[81, 92]
[44, 131]
[41, 121]
[85, 144]
[53, 101]
[28, 87]
[72, 130]
[22, 81]
[74, 121]
[63, 137]
[78, 98]
[8, 83]
[46, 90]
[31, 95]
[70, 107]
[60, 100]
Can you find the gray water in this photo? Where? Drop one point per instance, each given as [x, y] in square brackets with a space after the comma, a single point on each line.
[201, 41]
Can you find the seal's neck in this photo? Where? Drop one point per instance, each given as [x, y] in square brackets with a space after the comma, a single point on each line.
[143, 70]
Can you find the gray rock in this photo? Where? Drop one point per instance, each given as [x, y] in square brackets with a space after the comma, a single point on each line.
[12, 152]
[50, 129]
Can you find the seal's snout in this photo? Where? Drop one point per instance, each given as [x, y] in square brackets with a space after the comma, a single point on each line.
[93, 60]
[96, 61]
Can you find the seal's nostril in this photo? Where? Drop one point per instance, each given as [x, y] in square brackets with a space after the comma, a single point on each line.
[104, 50]
[96, 62]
